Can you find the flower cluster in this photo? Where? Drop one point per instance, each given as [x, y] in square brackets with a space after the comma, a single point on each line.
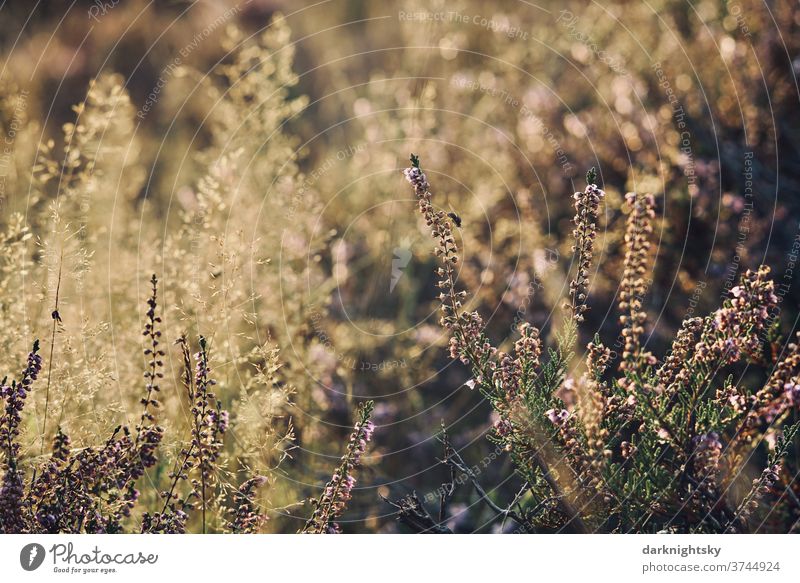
[339, 490]
[557, 417]
[93, 489]
[11, 495]
[87, 491]
[741, 323]
[247, 517]
[791, 391]
[12, 488]
[197, 462]
[441, 229]
[528, 348]
[210, 422]
[90, 490]
[148, 433]
[633, 285]
[597, 359]
[761, 487]
[587, 205]
[673, 374]
[14, 396]
[595, 405]
[468, 342]
[507, 375]
[782, 390]
[706, 461]
[61, 446]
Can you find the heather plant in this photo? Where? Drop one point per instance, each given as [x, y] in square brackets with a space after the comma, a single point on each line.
[247, 158]
[94, 489]
[338, 491]
[196, 479]
[655, 446]
[91, 205]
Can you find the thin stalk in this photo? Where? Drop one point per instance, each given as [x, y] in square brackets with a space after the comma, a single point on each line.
[56, 320]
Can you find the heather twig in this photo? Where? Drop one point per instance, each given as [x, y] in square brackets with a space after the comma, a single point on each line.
[634, 283]
[338, 490]
[587, 204]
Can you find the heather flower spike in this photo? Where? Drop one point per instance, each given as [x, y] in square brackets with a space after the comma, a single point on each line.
[587, 205]
[634, 284]
[339, 490]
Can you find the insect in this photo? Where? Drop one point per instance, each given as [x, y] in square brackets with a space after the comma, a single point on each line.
[456, 219]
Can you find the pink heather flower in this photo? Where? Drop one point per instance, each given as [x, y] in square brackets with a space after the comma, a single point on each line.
[369, 428]
[417, 179]
[338, 491]
[792, 391]
[557, 416]
[502, 427]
